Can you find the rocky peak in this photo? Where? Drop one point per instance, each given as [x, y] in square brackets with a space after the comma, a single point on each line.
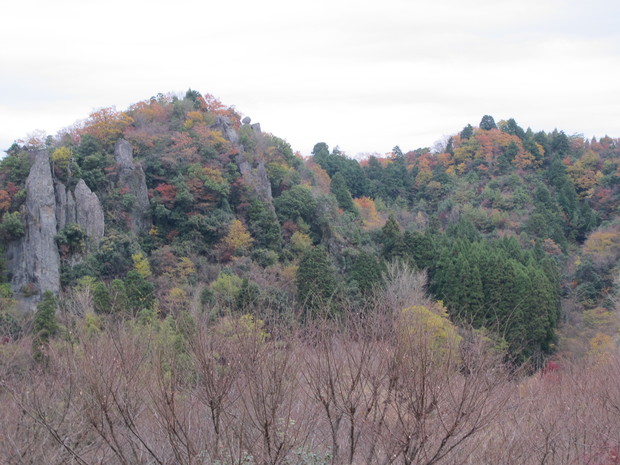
[89, 213]
[131, 177]
[224, 125]
[33, 260]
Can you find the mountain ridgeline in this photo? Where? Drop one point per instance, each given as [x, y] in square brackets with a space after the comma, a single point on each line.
[177, 206]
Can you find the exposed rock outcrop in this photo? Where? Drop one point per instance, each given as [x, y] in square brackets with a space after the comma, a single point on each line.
[254, 173]
[89, 213]
[256, 177]
[224, 125]
[82, 207]
[131, 178]
[33, 260]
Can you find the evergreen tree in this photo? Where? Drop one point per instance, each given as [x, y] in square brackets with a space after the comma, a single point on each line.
[487, 123]
[467, 132]
[140, 292]
[511, 127]
[102, 302]
[119, 302]
[45, 325]
[342, 194]
[366, 271]
[421, 248]
[391, 238]
[264, 226]
[316, 280]
[247, 298]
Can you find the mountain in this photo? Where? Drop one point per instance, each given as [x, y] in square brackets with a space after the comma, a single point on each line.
[177, 205]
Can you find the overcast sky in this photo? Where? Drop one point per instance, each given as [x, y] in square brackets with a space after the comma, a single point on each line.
[362, 75]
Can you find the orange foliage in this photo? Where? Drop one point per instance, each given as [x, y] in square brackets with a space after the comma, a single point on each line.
[586, 173]
[425, 164]
[213, 105]
[150, 111]
[524, 160]
[183, 146]
[368, 212]
[445, 159]
[488, 146]
[321, 179]
[107, 124]
[382, 161]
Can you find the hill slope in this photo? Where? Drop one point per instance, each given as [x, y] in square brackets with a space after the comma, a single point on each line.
[176, 205]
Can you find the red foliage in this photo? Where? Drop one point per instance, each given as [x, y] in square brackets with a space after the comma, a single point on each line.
[551, 366]
[5, 201]
[12, 188]
[167, 193]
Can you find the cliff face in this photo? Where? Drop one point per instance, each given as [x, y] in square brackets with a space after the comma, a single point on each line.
[131, 177]
[254, 174]
[256, 177]
[34, 260]
[81, 207]
[89, 213]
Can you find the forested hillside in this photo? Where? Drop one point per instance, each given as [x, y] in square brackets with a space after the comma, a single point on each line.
[506, 222]
[178, 286]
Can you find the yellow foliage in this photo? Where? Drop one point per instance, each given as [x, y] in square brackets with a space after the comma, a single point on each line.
[61, 156]
[176, 299]
[217, 139]
[601, 345]
[185, 268]
[195, 115]
[176, 293]
[214, 175]
[227, 285]
[300, 242]
[600, 319]
[603, 243]
[91, 324]
[245, 327]
[424, 176]
[431, 327]
[238, 238]
[289, 273]
[141, 264]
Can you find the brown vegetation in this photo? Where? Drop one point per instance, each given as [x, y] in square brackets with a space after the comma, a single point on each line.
[397, 384]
